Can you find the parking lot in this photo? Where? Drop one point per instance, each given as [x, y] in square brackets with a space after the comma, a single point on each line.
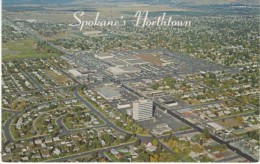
[161, 117]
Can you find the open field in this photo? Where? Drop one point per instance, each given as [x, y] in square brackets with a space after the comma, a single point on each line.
[65, 14]
[6, 51]
[69, 34]
[219, 2]
[60, 79]
[229, 123]
[130, 9]
[22, 49]
[5, 116]
[192, 102]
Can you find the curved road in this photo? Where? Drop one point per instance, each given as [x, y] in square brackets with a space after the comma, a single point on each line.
[63, 128]
[6, 127]
[107, 121]
[65, 131]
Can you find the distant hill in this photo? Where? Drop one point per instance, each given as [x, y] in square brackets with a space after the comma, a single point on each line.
[174, 2]
[214, 2]
[19, 2]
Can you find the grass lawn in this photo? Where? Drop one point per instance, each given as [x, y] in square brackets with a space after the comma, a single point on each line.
[22, 49]
[229, 123]
[111, 157]
[60, 79]
[77, 122]
[186, 127]
[39, 125]
[3, 138]
[192, 101]
[5, 116]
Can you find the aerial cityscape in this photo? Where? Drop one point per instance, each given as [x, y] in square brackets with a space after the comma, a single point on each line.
[130, 81]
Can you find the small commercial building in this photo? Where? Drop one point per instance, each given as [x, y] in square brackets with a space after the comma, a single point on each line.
[103, 56]
[160, 129]
[214, 127]
[75, 72]
[154, 93]
[123, 105]
[168, 100]
[109, 93]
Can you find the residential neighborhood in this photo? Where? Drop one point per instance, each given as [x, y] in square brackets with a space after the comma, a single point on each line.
[127, 93]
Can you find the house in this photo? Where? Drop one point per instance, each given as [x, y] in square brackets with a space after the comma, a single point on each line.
[103, 143]
[150, 147]
[119, 156]
[38, 142]
[108, 130]
[133, 153]
[76, 149]
[7, 149]
[56, 151]
[26, 158]
[121, 137]
[193, 154]
[68, 144]
[219, 155]
[48, 140]
[74, 136]
[96, 123]
[123, 150]
[45, 154]
[56, 139]
[114, 151]
[43, 145]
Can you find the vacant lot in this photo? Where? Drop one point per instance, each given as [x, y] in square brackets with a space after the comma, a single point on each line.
[229, 123]
[6, 51]
[60, 79]
[22, 49]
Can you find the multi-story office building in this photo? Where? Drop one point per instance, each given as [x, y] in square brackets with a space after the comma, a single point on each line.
[142, 109]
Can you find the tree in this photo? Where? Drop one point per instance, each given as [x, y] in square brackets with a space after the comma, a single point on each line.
[128, 136]
[155, 142]
[201, 142]
[239, 118]
[169, 81]
[159, 148]
[205, 134]
[124, 159]
[139, 130]
[144, 156]
[196, 138]
[155, 86]
[196, 148]
[138, 142]
[14, 105]
[254, 134]
[223, 147]
[154, 158]
[108, 138]
[177, 150]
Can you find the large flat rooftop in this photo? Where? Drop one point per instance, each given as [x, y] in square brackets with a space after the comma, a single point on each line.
[109, 92]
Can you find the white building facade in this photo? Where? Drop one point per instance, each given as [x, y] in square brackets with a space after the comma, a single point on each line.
[142, 109]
